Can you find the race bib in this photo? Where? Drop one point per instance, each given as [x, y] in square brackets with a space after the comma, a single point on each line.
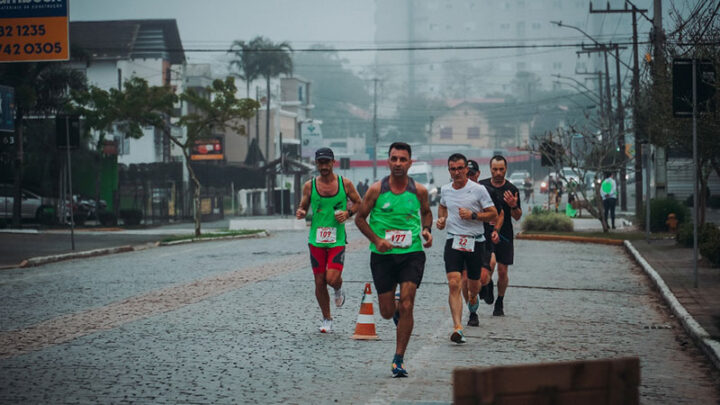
[398, 238]
[464, 243]
[326, 235]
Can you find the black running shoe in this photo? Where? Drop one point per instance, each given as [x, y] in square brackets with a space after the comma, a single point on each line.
[483, 292]
[498, 311]
[490, 293]
[473, 321]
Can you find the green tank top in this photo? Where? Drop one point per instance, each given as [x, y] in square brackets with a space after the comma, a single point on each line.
[324, 227]
[397, 212]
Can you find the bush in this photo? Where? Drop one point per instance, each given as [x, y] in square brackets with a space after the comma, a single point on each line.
[685, 233]
[710, 247]
[547, 221]
[659, 210]
[107, 218]
[131, 217]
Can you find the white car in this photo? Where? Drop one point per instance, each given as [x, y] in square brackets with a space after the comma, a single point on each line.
[31, 202]
[517, 178]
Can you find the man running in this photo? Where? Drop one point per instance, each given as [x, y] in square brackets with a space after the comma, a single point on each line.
[400, 213]
[504, 251]
[327, 195]
[464, 206]
[488, 261]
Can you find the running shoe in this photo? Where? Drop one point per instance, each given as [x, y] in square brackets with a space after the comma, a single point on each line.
[458, 337]
[483, 292]
[339, 297]
[489, 293]
[398, 370]
[498, 311]
[473, 321]
[474, 307]
[326, 326]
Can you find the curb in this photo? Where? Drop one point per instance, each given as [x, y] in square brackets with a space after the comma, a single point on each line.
[182, 241]
[37, 261]
[569, 238]
[708, 345]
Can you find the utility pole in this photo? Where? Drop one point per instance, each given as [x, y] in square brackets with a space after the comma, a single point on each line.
[374, 132]
[636, 97]
[621, 132]
[608, 95]
[659, 76]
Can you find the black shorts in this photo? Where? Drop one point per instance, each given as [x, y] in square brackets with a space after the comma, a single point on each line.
[392, 269]
[457, 260]
[504, 251]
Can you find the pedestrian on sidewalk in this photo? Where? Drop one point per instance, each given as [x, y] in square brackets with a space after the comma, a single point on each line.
[464, 206]
[327, 195]
[399, 211]
[608, 192]
[504, 249]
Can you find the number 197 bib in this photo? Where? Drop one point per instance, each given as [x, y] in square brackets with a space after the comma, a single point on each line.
[326, 235]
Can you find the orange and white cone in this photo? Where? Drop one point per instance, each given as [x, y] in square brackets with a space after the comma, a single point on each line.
[365, 328]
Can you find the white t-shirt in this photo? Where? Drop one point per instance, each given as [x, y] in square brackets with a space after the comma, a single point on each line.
[474, 197]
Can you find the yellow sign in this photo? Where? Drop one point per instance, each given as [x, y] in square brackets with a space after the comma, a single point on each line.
[34, 30]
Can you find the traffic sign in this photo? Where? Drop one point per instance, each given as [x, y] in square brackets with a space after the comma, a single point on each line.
[34, 30]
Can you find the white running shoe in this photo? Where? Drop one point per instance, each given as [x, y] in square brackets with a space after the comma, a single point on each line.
[326, 326]
[339, 297]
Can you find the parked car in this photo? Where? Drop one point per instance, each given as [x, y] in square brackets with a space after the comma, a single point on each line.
[517, 178]
[31, 203]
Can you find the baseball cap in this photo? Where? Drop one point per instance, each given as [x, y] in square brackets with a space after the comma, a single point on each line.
[324, 153]
[473, 167]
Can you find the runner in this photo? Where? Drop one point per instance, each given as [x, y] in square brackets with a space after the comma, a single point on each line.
[399, 212]
[504, 251]
[327, 232]
[464, 205]
[489, 259]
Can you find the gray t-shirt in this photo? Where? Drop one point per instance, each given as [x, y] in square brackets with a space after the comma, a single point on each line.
[473, 197]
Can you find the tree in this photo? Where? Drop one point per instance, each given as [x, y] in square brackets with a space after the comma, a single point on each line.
[245, 62]
[41, 88]
[139, 105]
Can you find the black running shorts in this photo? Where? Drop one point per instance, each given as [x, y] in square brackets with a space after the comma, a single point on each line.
[457, 260]
[504, 252]
[392, 269]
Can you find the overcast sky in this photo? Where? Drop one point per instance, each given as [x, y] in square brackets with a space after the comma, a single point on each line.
[216, 23]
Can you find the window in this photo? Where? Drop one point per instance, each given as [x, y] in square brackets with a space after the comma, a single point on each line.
[446, 133]
[557, 65]
[536, 26]
[300, 93]
[505, 26]
[473, 133]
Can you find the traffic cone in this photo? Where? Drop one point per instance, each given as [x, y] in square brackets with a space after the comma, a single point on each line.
[365, 327]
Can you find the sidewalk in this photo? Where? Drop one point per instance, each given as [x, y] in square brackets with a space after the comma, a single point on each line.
[698, 309]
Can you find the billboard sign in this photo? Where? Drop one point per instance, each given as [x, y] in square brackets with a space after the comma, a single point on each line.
[311, 138]
[207, 149]
[682, 101]
[34, 30]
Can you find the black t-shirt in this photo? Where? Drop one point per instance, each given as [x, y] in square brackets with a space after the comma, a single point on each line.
[498, 193]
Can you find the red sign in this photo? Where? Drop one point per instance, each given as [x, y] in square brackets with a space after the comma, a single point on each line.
[207, 149]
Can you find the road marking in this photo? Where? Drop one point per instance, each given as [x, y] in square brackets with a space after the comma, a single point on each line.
[65, 328]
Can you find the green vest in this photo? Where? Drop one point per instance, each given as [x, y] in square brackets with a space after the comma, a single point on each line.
[323, 209]
[397, 212]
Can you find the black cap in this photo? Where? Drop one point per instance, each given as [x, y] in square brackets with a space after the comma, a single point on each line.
[473, 167]
[324, 153]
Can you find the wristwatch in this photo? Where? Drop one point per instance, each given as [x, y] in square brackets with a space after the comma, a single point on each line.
[474, 215]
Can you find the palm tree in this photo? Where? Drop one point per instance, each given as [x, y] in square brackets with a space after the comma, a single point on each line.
[273, 59]
[246, 63]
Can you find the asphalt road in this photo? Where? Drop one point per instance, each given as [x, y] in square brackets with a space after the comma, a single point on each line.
[236, 322]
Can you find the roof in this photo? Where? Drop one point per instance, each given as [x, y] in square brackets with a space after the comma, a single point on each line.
[126, 39]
